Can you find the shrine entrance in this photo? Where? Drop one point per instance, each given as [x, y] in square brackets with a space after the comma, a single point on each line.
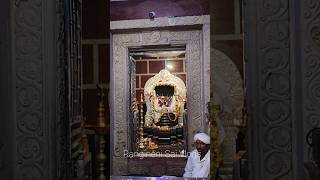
[137, 88]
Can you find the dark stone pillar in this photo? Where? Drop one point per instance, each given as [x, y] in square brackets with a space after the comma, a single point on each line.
[28, 94]
[282, 73]
[7, 99]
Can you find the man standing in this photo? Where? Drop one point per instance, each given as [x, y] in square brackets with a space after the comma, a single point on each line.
[198, 164]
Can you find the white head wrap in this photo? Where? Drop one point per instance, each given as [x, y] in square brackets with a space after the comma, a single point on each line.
[202, 137]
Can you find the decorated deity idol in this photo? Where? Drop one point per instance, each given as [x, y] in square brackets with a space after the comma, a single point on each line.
[165, 97]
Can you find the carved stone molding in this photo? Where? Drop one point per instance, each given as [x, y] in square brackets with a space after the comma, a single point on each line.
[31, 124]
[160, 22]
[275, 90]
[269, 91]
[34, 64]
[197, 67]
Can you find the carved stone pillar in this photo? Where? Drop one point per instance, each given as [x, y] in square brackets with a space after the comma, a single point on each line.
[269, 91]
[282, 81]
[35, 64]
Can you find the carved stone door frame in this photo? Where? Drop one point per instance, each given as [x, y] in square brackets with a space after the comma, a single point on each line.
[159, 31]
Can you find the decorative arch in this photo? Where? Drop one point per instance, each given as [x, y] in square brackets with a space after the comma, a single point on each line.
[228, 92]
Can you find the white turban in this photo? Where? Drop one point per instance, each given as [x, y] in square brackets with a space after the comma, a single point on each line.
[202, 137]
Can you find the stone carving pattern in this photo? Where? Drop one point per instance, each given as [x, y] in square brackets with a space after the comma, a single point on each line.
[31, 125]
[275, 91]
[154, 37]
[310, 67]
[120, 101]
[120, 44]
[194, 93]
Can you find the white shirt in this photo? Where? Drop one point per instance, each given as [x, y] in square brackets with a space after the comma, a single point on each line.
[196, 167]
